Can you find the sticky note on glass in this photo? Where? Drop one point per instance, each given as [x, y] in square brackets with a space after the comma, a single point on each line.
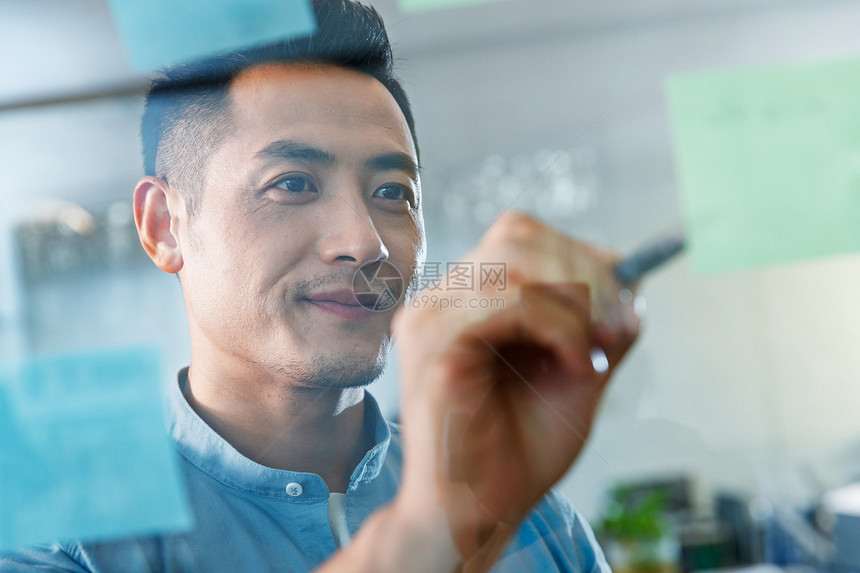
[159, 33]
[84, 452]
[768, 162]
[428, 5]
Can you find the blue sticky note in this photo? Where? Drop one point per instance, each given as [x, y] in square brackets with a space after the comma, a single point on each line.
[84, 452]
[159, 33]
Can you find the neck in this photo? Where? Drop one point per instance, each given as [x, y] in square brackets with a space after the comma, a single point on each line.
[274, 422]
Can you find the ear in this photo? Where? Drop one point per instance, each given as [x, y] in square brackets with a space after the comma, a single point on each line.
[153, 199]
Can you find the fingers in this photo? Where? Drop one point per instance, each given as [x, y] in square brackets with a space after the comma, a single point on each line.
[536, 252]
[501, 412]
[509, 392]
[556, 317]
[552, 317]
[617, 333]
[505, 393]
[577, 294]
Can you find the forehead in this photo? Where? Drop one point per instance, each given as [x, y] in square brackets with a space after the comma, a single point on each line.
[310, 101]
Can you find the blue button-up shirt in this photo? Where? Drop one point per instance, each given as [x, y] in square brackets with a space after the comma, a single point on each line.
[246, 521]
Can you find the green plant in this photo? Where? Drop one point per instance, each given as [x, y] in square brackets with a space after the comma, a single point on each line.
[634, 515]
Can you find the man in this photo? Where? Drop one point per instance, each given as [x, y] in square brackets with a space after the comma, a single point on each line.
[273, 177]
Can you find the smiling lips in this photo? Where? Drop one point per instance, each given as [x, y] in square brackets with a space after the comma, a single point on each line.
[343, 303]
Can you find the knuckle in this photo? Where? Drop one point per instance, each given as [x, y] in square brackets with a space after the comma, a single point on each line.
[518, 227]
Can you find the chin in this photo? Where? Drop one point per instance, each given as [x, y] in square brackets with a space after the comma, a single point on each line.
[344, 376]
[347, 370]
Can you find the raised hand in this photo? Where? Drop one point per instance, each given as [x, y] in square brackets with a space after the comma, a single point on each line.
[498, 402]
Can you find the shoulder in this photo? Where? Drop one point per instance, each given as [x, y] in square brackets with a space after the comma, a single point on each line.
[554, 537]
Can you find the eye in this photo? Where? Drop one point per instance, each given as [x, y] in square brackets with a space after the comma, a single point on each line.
[395, 192]
[296, 184]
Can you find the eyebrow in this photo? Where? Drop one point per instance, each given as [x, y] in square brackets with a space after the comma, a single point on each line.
[394, 161]
[297, 151]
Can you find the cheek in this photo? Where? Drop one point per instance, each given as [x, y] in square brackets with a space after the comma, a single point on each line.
[420, 239]
[407, 248]
[229, 264]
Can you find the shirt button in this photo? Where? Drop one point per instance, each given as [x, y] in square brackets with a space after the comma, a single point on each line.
[294, 489]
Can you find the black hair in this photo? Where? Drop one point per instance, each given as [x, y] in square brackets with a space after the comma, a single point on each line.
[187, 110]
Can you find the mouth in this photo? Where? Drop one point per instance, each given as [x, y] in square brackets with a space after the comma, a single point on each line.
[344, 303]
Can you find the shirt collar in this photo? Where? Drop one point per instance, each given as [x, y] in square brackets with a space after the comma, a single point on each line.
[213, 455]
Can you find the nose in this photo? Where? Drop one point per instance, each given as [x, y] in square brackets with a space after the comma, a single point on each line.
[350, 237]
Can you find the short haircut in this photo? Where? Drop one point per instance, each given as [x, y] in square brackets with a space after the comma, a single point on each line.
[187, 111]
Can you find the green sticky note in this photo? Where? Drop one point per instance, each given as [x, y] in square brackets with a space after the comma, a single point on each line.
[159, 33]
[428, 5]
[84, 451]
[768, 162]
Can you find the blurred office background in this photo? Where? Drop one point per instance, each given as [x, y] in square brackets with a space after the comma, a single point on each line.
[744, 385]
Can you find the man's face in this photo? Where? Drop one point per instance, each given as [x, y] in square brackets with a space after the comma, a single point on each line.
[317, 180]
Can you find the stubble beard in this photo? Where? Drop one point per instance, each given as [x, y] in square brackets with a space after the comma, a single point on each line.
[346, 370]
